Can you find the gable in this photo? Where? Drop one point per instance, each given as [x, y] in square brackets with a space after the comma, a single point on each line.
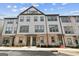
[32, 10]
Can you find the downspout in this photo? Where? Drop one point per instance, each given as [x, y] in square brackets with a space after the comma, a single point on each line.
[46, 31]
[64, 44]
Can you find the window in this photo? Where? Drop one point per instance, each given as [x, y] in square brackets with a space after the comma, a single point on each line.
[15, 29]
[6, 40]
[42, 39]
[65, 19]
[53, 28]
[68, 29]
[16, 22]
[60, 40]
[28, 19]
[20, 40]
[33, 12]
[69, 41]
[24, 28]
[53, 40]
[35, 18]
[52, 18]
[41, 18]
[77, 19]
[21, 19]
[77, 27]
[39, 28]
[10, 22]
[8, 30]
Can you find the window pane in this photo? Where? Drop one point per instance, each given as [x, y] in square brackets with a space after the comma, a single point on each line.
[52, 38]
[52, 18]
[39, 28]
[35, 18]
[65, 19]
[42, 39]
[20, 41]
[9, 30]
[28, 18]
[41, 18]
[6, 40]
[33, 12]
[15, 29]
[10, 22]
[53, 28]
[68, 29]
[24, 29]
[69, 41]
[77, 19]
[21, 19]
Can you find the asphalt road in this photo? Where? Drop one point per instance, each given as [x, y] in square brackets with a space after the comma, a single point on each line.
[30, 53]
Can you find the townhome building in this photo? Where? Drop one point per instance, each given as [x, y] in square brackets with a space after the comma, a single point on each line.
[9, 31]
[69, 25]
[1, 29]
[32, 27]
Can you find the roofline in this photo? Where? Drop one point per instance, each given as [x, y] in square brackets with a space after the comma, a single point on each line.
[10, 18]
[52, 15]
[29, 8]
[69, 15]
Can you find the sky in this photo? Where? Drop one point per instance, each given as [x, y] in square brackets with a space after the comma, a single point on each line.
[13, 9]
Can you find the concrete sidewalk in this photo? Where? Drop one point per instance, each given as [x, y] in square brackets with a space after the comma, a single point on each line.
[68, 51]
[71, 53]
[28, 48]
[37, 48]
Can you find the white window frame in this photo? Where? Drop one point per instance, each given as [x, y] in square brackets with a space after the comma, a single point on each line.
[53, 28]
[24, 30]
[68, 30]
[65, 19]
[52, 18]
[39, 28]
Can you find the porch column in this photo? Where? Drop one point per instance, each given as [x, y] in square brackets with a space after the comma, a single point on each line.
[64, 44]
[47, 40]
[30, 40]
[37, 40]
[75, 41]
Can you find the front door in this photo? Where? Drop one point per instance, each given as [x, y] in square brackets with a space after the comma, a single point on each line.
[33, 41]
[28, 41]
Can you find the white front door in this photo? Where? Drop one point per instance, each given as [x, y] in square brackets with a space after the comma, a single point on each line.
[33, 41]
